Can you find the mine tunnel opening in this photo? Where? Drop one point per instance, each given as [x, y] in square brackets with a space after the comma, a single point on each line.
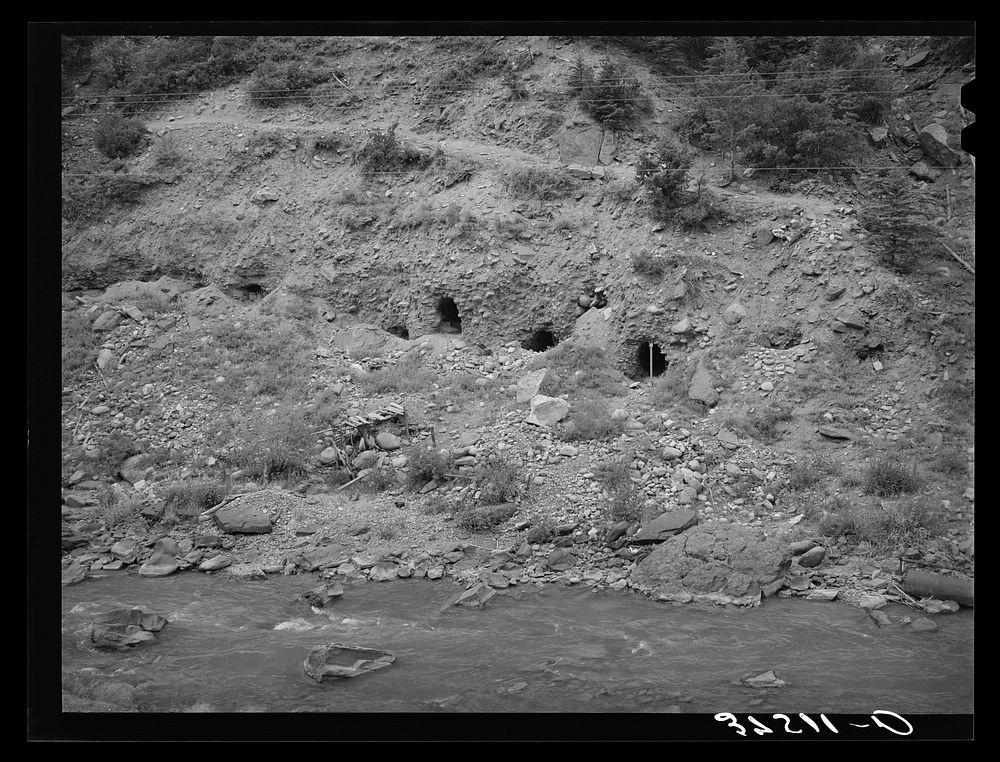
[400, 331]
[650, 360]
[540, 340]
[450, 318]
[250, 291]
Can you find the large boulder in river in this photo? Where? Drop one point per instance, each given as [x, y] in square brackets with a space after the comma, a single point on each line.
[242, 519]
[125, 627]
[721, 564]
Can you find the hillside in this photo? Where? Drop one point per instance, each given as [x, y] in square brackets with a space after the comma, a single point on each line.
[440, 218]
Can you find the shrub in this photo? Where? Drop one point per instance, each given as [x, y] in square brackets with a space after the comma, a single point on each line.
[79, 345]
[664, 175]
[189, 500]
[426, 464]
[591, 419]
[117, 510]
[651, 265]
[114, 451]
[382, 152]
[626, 497]
[886, 526]
[273, 84]
[499, 480]
[167, 153]
[408, 375]
[91, 196]
[273, 448]
[761, 424]
[886, 477]
[378, 479]
[576, 367]
[478, 518]
[117, 137]
[539, 183]
[613, 97]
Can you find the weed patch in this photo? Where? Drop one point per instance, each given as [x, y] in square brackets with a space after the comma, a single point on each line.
[499, 480]
[591, 418]
[761, 424]
[887, 477]
[538, 183]
[574, 368]
[187, 500]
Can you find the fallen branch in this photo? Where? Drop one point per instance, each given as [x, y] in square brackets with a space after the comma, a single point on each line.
[964, 264]
[910, 601]
[339, 82]
[348, 484]
[214, 508]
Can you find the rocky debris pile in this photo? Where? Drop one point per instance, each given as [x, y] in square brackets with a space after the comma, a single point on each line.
[769, 367]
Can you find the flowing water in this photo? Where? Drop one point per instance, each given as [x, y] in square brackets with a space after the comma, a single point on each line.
[238, 646]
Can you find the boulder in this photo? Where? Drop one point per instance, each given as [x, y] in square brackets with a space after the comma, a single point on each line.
[159, 565]
[242, 519]
[666, 525]
[126, 551]
[107, 320]
[702, 387]
[383, 571]
[561, 559]
[74, 573]
[722, 564]
[476, 596]
[322, 595]
[167, 545]
[124, 628]
[528, 385]
[215, 563]
[329, 456]
[581, 145]
[934, 143]
[322, 557]
[387, 441]
[734, 313]
[812, 557]
[547, 411]
[878, 136]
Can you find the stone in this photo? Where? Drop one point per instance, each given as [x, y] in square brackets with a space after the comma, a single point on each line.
[329, 456]
[833, 432]
[125, 628]
[239, 519]
[528, 385]
[568, 451]
[132, 469]
[932, 606]
[872, 601]
[561, 559]
[923, 624]
[383, 571]
[767, 386]
[813, 557]
[547, 411]
[800, 547]
[167, 545]
[476, 596]
[104, 358]
[724, 564]
[387, 441]
[581, 145]
[702, 386]
[665, 525]
[670, 453]
[681, 326]
[74, 573]
[924, 171]
[107, 320]
[734, 313]
[822, 594]
[126, 551]
[878, 136]
[367, 459]
[915, 60]
[322, 595]
[934, 143]
[159, 565]
[767, 679]
[322, 557]
[216, 563]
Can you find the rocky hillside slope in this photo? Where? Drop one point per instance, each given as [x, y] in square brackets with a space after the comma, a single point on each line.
[266, 288]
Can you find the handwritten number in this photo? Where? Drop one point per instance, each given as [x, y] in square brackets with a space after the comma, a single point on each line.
[723, 716]
[890, 729]
[761, 728]
[788, 721]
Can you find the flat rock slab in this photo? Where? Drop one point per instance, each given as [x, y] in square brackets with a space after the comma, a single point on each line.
[528, 385]
[666, 525]
[702, 386]
[547, 411]
[722, 564]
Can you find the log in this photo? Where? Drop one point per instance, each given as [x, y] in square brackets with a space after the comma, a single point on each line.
[961, 261]
[918, 582]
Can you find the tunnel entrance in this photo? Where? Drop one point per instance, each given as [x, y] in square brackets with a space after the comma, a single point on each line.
[400, 331]
[539, 341]
[250, 292]
[451, 320]
[650, 360]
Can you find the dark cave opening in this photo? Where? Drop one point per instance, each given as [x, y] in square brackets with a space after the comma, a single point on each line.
[650, 360]
[250, 291]
[400, 331]
[451, 320]
[539, 341]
